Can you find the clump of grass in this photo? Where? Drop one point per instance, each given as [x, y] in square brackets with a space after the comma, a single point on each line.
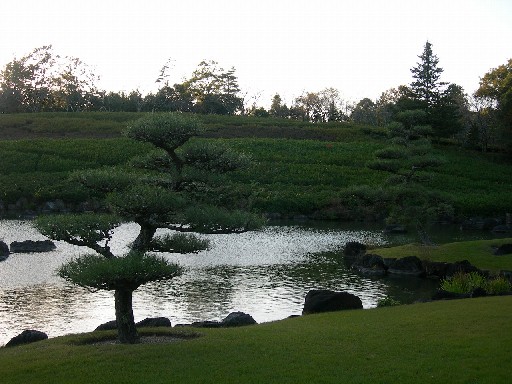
[463, 282]
[467, 283]
[387, 302]
[498, 286]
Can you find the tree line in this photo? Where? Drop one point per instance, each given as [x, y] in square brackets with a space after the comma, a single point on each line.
[44, 81]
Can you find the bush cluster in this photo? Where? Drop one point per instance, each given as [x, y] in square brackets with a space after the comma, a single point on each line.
[467, 283]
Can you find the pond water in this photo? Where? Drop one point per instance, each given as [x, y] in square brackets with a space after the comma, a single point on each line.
[265, 273]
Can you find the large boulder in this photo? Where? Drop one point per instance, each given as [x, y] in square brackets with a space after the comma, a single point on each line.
[4, 251]
[238, 319]
[370, 264]
[327, 301]
[502, 228]
[463, 266]
[154, 322]
[28, 246]
[26, 337]
[435, 269]
[108, 326]
[354, 248]
[504, 249]
[352, 252]
[205, 324]
[409, 265]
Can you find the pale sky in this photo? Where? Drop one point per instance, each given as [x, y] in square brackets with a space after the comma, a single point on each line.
[360, 47]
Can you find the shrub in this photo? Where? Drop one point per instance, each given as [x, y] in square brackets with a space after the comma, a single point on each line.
[498, 286]
[179, 243]
[463, 282]
[384, 165]
[468, 282]
[387, 302]
[391, 153]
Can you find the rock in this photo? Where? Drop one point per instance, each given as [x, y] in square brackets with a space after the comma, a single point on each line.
[28, 246]
[472, 224]
[436, 269]
[326, 301]
[504, 249]
[395, 229]
[502, 229]
[154, 322]
[490, 223]
[409, 265]
[370, 264]
[478, 292]
[238, 319]
[109, 325]
[26, 337]
[354, 248]
[206, 324]
[53, 206]
[4, 251]
[463, 266]
[388, 261]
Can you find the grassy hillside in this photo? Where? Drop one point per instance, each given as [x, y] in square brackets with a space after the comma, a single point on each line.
[463, 341]
[299, 168]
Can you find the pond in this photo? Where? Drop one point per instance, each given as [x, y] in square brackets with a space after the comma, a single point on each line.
[265, 273]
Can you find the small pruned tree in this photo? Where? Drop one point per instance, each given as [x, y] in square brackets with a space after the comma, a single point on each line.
[410, 159]
[178, 186]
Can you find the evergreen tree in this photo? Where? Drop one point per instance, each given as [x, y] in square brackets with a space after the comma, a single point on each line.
[427, 86]
[179, 186]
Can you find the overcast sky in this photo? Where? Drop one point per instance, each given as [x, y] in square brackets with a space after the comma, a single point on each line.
[359, 47]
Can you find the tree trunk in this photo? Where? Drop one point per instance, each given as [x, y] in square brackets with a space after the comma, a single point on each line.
[127, 333]
[143, 241]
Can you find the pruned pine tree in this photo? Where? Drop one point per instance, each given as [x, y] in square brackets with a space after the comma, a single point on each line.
[410, 160]
[179, 186]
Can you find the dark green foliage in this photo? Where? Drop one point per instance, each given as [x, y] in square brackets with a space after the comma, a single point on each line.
[87, 229]
[106, 179]
[167, 131]
[466, 283]
[127, 272]
[213, 157]
[179, 243]
[212, 219]
[387, 302]
[385, 165]
[146, 202]
[391, 153]
[294, 176]
[87, 226]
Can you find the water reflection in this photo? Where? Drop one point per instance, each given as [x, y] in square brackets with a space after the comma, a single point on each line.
[265, 273]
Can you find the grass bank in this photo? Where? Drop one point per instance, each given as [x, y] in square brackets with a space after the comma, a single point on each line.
[463, 341]
[299, 168]
[477, 252]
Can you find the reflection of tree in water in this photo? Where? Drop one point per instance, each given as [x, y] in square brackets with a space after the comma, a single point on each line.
[408, 289]
[55, 309]
[211, 293]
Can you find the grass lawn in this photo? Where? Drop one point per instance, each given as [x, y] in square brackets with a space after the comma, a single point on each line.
[478, 252]
[462, 341]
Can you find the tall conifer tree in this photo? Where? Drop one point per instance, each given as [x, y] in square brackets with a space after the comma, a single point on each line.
[427, 85]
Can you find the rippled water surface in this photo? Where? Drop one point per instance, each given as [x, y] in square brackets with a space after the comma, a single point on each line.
[265, 273]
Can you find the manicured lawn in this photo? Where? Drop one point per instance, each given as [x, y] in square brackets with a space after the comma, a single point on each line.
[478, 252]
[463, 341]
